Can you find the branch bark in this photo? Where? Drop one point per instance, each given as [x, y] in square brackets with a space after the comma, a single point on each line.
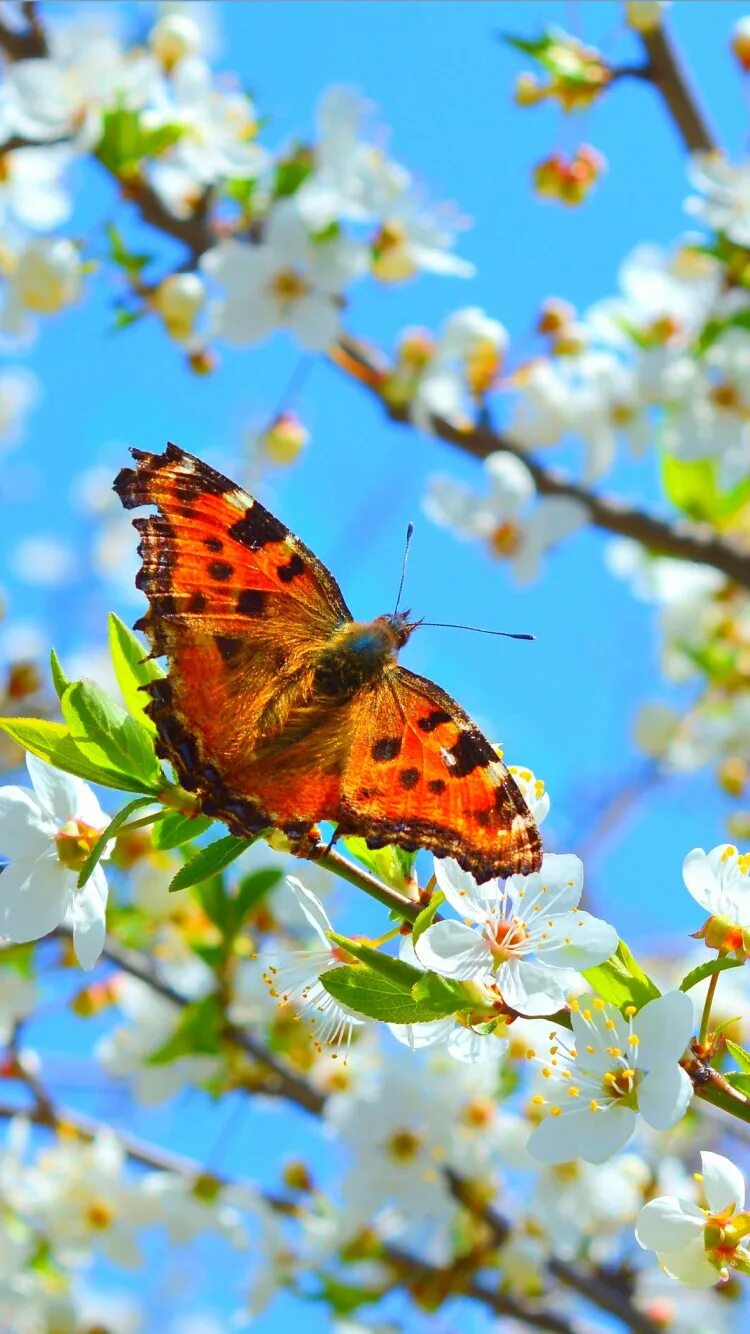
[682, 540]
[28, 43]
[668, 75]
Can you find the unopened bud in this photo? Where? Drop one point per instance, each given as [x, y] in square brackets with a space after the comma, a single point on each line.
[173, 38]
[178, 299]
[296, 1176]
[733, 775]
[740, 42]
[284, 439]
[24, 679]
[644, 15]
[203, 361]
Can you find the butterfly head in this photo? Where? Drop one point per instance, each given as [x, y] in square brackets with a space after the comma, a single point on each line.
[398, 627]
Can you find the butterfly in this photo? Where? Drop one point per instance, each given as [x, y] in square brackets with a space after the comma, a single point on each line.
[280, 710]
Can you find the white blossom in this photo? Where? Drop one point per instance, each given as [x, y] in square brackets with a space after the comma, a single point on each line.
[505, 519]
[532, 935]
[697, 1245]
[720, 882]
[47, 833]
[723, 201]
[612, 1070]
[289, 280]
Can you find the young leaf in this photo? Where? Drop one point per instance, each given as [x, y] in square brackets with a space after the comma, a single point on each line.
[741, 1056]
[390, 864]
[110, 738]
[175, 829]
[442, 995]
[708, 969]
[133, 669]
[426, 916]
[740, 1082]
[375, 996]
[59, 679]
[94, 856]
[52, 742]
[209, 862]
[621, 980]
[214, 900]
[401, 974]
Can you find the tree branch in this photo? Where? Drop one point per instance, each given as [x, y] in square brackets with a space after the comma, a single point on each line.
[682, 540]
[667, 74]
[29, 43]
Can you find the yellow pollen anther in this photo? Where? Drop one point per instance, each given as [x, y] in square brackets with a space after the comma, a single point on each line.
[698, 1176]
[587, 1016]
[598, 1003]
[573, 1005]
[530, 1054]
[573, 1091]
[614, 1051]
[546, 1072]
[728, 853]
[538, 1100]
[590, 1049]
[555, 1111]
[610, 1025]
[634, 1040]
[594, 1105]
[630, 1010]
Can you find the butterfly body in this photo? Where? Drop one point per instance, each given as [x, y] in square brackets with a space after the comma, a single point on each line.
[280, 710]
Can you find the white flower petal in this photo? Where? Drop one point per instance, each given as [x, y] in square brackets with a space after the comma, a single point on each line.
[63, 795]
[532, 988]
[454, 950]
[556, 888]
[312, 909]
[25, 829]
[593, 1136]
[471, 1048]
[664, 1096]
[690, 1266]
[723, 1182]
[33, 899]
[573, 940]
[664, 1027]
[87, 916]
[668, 1224]
[416, 1036]
[480, 903]
[701, 880]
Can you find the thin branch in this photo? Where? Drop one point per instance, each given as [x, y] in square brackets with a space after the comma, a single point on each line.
[667, 74]
[698, 543]
[30, 42]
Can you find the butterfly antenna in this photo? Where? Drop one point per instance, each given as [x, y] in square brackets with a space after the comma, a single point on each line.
[477, 629]
[409, 536]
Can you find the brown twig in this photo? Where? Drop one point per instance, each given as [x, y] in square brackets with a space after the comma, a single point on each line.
[667, 74]
[30, 42]
[698, 543]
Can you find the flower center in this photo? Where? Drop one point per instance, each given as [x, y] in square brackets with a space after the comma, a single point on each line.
[288, 286]
[620, 1084]
[404, 1145]
[75, 841]
[99, 1215]
[506, 539]
[505, 940]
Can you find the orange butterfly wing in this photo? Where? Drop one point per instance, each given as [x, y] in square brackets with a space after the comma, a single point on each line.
[244, 612]
[420, 774]
[242, 609]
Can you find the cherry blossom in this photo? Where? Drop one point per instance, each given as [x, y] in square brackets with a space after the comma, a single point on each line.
[698, 1246]
[531, 938]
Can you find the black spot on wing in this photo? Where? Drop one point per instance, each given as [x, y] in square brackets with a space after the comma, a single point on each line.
[213, 543]
[409, 778]
[196, 603]
[387, 748]
[220, 570]
[251, 602]
[257, 528]
[433, 720]
[471, 751]
[291, 570]
[229, 647]
[437, 785]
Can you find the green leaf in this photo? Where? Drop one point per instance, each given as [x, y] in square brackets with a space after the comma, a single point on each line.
[291, 172]
[692, 487]
[535, 46]
[708, 969]
[401, 974]
[52, 742]
[740, 1082]
[107, 736]
[209, 862]
[119, 147]
[198, 1033]
[443, 995]
[133, 669]
[343, 1298]
[741, 1056]
[251, 889]
[121, 256]
[94, 856]
[392, 865]
[425, 917]
[376, 996]
[714, 328]
[214, 900]
[621, 980]
[157, 141]
[175, 829]
[59, 679]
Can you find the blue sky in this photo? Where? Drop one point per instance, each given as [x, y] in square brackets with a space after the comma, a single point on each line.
[443, 81]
